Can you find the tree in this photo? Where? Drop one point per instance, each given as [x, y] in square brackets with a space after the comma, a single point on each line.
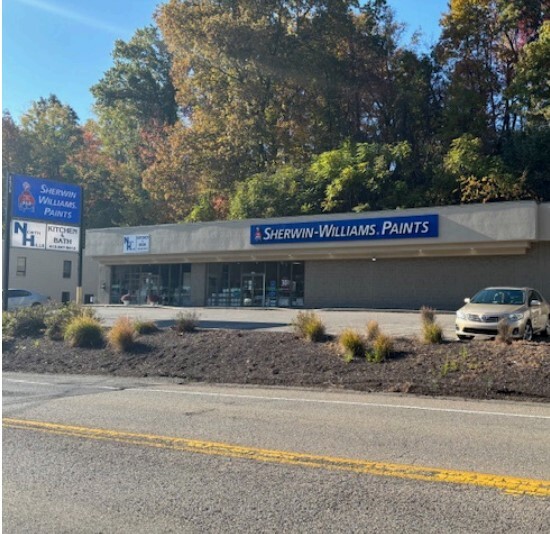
[481, 178]
[15, 149]
[271, 194]
[52, 133]
[140, 79]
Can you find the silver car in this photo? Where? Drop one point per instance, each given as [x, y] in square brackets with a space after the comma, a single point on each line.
[22, 298]
[524, 308]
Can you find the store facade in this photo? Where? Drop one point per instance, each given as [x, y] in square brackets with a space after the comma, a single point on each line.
[390, 259]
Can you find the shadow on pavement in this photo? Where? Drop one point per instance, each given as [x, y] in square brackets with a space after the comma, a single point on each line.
[230, 325]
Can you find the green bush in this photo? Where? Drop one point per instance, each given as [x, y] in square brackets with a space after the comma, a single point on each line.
[351, 343]
[373, 330]
[186, 322]
[145, 327]
[122, 335]
[382, 348]
[25, 322]
[308, 325]
[59, 316]
[432, 333]
[84, 332]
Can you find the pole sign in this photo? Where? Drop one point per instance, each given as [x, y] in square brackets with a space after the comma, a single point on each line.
[46, 200]
[409, 227]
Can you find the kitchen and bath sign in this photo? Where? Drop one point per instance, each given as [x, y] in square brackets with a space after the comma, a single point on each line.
[413, 226]
[46, 200]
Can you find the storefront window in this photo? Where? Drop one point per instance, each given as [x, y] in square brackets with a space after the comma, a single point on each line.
[256, 284]
[168, 284]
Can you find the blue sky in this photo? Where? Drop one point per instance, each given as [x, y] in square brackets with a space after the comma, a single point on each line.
[63, 47]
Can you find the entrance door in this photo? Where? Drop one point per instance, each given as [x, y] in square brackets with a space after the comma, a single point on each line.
[253, 290]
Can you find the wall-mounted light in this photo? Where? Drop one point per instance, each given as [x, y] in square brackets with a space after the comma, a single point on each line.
[103, 286]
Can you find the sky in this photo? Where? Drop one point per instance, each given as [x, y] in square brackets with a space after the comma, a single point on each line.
[63, 47]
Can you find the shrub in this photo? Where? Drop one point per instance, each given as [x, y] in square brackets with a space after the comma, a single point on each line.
[25, 322]
[427, 315]
[373, 330]
[186, 322]
[432, 333]
[308, 325]
[145, 327]
[504, 332]
[84, 332]
[60, 315]
[122, 335]
[351, 343]
[381, 349]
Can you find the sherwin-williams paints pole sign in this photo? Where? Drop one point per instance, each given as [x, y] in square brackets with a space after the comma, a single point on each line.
[410, 227]
[46, 200]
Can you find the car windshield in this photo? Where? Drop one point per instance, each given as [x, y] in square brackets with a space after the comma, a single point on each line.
[499, 296]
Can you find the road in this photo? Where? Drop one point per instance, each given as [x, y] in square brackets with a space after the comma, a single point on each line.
[97, 454]
[394, 323]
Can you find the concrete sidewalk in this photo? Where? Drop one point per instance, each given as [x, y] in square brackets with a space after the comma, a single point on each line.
[395, 323]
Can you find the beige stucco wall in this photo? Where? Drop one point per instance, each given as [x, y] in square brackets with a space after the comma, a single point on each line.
[511, 224]
[44, 272]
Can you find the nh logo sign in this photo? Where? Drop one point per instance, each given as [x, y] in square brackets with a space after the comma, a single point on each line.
[28, 234]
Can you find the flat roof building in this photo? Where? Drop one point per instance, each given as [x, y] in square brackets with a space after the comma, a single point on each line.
[387, 259]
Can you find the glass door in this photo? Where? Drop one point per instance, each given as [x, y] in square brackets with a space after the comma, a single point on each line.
[253, 290]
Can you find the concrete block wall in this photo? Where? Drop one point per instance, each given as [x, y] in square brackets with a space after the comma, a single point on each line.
[442, 283]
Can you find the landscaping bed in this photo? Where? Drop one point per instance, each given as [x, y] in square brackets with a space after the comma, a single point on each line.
[476, 369]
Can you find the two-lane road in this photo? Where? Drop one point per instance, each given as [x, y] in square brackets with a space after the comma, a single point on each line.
[96, 454]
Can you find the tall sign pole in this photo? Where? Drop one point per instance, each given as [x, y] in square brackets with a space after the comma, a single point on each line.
[6, 252]
[79, 297]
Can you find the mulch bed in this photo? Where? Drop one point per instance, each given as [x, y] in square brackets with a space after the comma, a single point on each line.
[476, 369]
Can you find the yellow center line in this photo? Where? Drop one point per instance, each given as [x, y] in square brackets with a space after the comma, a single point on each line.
[508, 484]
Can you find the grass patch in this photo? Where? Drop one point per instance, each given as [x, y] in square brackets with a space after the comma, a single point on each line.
[504, 332]
[85, 332]
[186, 322]
[382, 348]
[145, 327]
[122, 336]
[308, 325]
[352, 344]
[373, 330]
[432, 333]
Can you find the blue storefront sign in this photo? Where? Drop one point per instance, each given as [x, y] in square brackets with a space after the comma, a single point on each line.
[46, 200]
[409, 227]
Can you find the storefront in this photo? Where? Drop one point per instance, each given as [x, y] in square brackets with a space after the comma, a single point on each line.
[390, 259]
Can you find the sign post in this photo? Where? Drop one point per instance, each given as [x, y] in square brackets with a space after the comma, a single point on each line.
[6, 255]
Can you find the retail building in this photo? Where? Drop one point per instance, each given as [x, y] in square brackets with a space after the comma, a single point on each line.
[387, 259]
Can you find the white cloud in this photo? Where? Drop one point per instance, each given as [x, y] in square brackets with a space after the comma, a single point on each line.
[73, 16]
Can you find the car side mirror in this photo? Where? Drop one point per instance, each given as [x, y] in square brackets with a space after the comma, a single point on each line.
[467, 300]
[535, 302]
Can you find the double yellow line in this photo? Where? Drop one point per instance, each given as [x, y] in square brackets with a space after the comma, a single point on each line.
[525, 486]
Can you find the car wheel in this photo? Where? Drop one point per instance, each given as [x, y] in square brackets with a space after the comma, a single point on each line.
[464, 338]
[546, 330]
[528, 332]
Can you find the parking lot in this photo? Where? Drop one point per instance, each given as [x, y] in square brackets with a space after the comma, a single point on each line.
[395, 323]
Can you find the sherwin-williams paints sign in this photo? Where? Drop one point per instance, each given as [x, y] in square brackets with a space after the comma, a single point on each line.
[414, 226]
[46, 200]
